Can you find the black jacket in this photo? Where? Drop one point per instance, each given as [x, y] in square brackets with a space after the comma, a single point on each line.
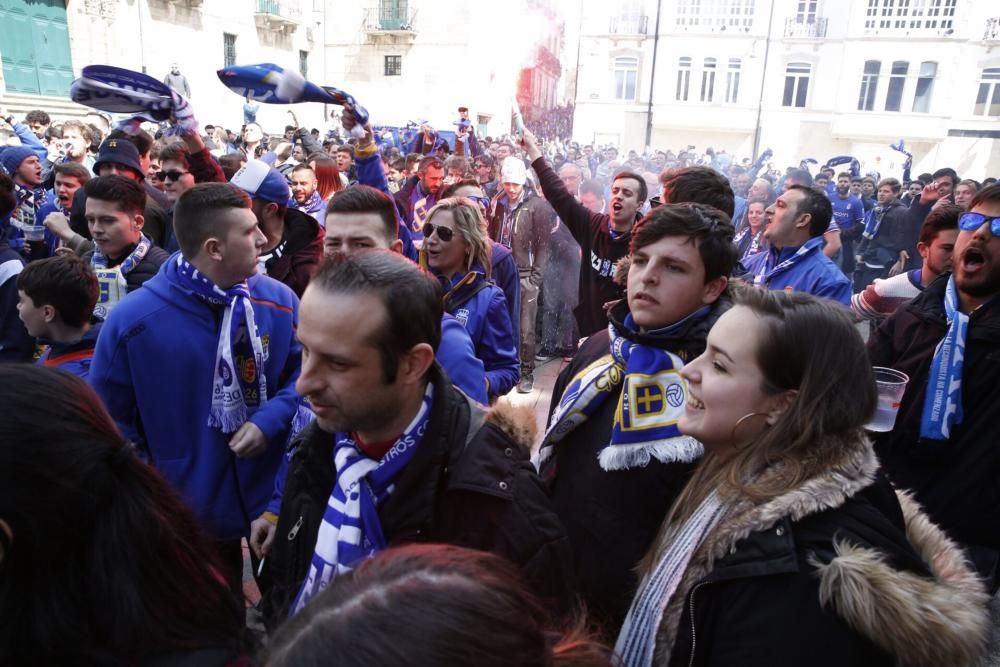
[600, 252]
[893, 236]
[954, 480]
[825, 574]
[470, 483]
[296, 257]
[612, 516]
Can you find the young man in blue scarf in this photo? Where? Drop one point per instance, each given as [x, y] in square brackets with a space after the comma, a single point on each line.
[198, 367]
[943, 447]
[396, 453]
[612, 455]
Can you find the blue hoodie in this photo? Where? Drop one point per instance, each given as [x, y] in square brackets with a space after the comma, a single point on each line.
[153, 367]
[815, 274]
[73, 356]
[486, 318]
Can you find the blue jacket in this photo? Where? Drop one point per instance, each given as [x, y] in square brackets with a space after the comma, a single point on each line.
[74, 356]
[815, 274]
[153, 368]
[482, 309]
[505, 277]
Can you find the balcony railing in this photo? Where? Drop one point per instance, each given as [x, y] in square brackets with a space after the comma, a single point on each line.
[628, 25]
[816, 29]
[278, 14]
[992, 33]
[387, 18]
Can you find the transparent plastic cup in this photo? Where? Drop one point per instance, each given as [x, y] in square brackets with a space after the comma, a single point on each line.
[33, 232]
[891, 384]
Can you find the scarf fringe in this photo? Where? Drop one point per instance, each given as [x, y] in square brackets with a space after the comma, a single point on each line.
[227, 420]
[683, 449]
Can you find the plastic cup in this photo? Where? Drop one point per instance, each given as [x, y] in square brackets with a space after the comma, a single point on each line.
[890, 384]
[33, 232]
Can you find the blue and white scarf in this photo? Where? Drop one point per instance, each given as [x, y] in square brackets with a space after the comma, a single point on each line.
[764, 276]
[351, 530]
[943, 402]
[651, 399]
[873, 221]
[99, 261]
[230, 384]
[636, 643]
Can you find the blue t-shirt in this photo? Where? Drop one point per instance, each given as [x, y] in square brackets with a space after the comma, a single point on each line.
[847, 212]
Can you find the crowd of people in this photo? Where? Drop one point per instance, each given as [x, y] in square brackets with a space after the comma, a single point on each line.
[300, 343]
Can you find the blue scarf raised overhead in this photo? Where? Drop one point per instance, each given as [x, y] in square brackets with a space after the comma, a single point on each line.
[651, 397]
[351, 530]
[232, 387]
[943, 402]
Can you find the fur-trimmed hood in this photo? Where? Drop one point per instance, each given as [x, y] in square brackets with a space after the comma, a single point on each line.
[934, 620]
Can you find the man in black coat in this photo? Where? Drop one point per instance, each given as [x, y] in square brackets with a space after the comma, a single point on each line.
[420, 461]
[954, 478]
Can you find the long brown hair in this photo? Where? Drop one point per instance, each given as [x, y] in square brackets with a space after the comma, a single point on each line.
[812, 347]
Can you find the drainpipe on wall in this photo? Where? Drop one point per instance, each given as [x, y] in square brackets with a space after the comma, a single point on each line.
[652, 78]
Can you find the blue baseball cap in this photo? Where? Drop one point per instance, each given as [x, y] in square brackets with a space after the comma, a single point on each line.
[262, 181]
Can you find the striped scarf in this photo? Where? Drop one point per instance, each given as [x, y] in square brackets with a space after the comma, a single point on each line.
[231, 385]
[637, 640]
[651, 396]
[351, 530]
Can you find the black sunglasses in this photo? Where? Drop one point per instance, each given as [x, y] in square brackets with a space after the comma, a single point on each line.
[444, 233]
[173, 175]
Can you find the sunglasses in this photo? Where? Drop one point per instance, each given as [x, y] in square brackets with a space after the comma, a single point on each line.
[173, 175]
[970, 222]
[444, 233]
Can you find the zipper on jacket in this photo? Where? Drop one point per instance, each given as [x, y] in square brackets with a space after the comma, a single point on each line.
[691, 614]
[295, 529]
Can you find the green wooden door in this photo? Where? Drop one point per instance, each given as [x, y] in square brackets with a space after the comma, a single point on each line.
[34, 42]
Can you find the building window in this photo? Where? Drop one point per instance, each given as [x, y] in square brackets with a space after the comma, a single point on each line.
[228, 50]
[715, 14]
[683, 78]
[733, 81]
[869, 84]
[796, 84]
[897, 80]
[988, 98]
[806, 11]
[925, 85]
[910, 14]
[708, 80]
[393, 65]
[304, 64]
[626, 73]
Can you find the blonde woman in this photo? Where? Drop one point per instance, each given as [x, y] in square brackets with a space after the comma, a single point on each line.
[788, 546]
[457, 250]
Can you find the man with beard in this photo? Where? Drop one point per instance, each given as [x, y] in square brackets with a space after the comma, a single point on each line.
[849, 214]
[305, 198]
[943, 446]
[603, 238]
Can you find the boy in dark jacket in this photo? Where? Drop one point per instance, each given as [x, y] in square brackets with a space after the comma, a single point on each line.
[612, 456]
[57, 296]
[124, 258]
[396, 454]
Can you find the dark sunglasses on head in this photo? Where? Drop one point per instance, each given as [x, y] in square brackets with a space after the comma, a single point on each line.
[970, 222]
[173, 175]
[444, 233]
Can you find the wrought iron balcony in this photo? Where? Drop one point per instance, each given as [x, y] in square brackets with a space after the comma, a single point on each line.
[992, 33]
[796, 29]
[284, 15]
[628, 25]
[387, 18]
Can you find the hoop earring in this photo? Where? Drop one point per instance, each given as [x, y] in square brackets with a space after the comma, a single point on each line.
[732, 434]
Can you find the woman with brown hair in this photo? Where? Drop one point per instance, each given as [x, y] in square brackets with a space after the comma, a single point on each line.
[788, 546]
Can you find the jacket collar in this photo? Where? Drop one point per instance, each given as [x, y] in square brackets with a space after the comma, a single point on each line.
[686, 339]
